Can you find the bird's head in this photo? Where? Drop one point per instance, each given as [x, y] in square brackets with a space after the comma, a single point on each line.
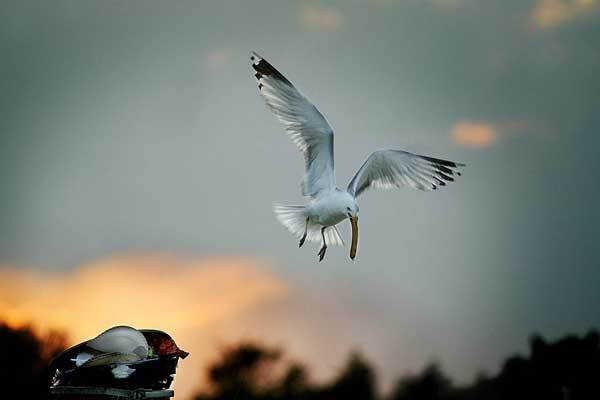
[347, 204]
[352, 210]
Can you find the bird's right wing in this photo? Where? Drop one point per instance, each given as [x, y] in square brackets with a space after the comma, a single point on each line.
[385, 169]
[306, 126]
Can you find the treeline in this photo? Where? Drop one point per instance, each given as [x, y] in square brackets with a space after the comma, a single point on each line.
[24, 362]
[567, 369]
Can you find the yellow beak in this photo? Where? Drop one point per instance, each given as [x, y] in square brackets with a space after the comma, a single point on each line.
[354, 222]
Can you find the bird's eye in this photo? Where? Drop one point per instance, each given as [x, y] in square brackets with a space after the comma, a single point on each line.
[348, 209]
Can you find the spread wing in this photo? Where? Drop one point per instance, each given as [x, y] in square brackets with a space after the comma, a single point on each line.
[385, 169]
[306, 126]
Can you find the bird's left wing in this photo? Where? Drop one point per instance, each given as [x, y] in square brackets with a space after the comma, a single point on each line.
[385, 169]
[306, 126]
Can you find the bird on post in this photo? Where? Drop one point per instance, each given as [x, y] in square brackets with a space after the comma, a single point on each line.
[329, 205]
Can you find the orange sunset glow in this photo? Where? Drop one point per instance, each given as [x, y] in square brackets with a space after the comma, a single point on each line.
[182, 297]
[474, 134]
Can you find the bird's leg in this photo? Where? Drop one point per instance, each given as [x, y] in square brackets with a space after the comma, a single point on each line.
[324, 248]
[303, 238]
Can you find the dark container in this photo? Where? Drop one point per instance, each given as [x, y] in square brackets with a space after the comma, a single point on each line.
[94, 393]
[152, 376]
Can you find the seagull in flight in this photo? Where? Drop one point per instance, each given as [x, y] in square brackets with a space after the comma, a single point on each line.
[329, 205]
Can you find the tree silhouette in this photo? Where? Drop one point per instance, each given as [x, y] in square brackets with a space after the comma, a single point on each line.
[356, 381]
[243, 372]
[431, 384]
[568, 369]
[252, 372]
[24, 360]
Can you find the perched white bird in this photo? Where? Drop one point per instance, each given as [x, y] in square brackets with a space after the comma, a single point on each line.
[329, 205]
[120, 339]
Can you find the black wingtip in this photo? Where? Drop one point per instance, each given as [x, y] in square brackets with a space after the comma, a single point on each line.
[443, 170]
[264, 68]
[444, 163]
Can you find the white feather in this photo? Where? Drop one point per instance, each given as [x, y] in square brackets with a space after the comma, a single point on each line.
[120, 339]
[386, 169]
[294, 219]
[307, 127]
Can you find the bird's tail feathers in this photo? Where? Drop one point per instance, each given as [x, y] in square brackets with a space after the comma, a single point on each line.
[294, 219]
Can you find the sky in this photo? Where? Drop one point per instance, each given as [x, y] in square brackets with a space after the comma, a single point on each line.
[137, 157]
